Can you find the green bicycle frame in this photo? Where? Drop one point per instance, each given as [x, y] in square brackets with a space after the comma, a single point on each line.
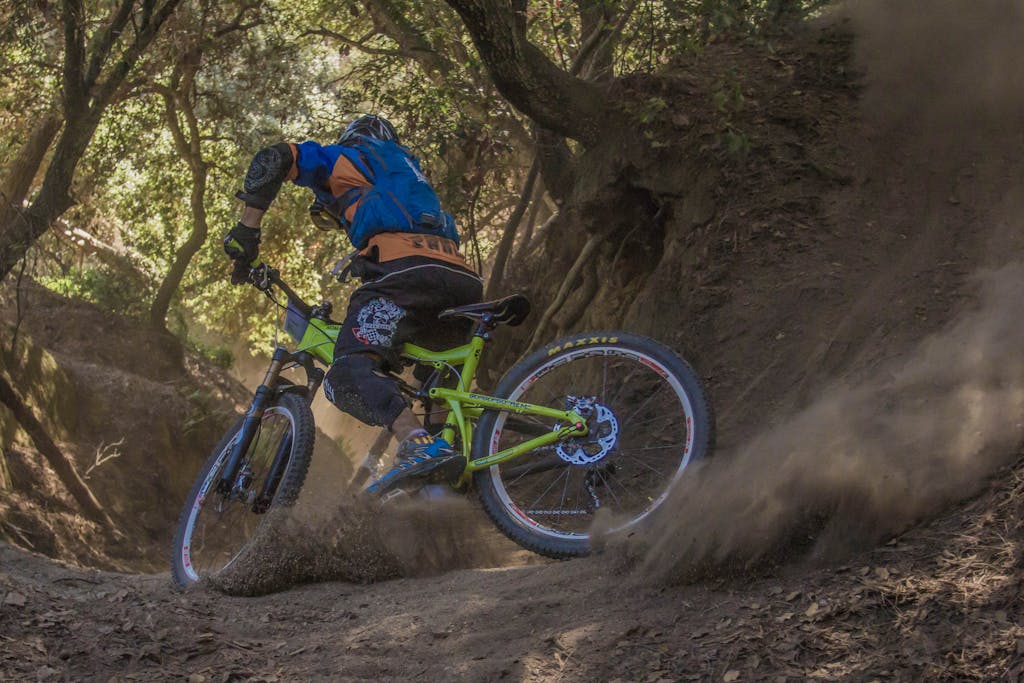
[464, 407]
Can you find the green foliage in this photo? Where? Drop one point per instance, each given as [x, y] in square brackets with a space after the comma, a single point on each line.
[29, 70]
[727, 102]
[727, 95]
[274, 70]
[651, 108]
[101, 286]
[204, 412]
[216, 354]
[657, 30]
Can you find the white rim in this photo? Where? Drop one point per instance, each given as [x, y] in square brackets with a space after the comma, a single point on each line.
[533, 525]
[211, 477]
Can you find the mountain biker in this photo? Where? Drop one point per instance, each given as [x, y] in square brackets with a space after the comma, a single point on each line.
[407, 258]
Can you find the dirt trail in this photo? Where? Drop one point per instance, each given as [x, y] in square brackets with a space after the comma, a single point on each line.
[939, 603]
[867, 378]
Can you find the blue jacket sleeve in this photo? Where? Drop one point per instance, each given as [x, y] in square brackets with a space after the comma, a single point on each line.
[314, 165]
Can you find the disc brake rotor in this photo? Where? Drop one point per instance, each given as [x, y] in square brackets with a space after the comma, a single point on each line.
[586, 450]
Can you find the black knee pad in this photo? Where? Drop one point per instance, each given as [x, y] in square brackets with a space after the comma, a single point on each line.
[356, 385]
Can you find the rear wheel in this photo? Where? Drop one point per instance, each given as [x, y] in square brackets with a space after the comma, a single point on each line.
[216, 529]
[649, 420]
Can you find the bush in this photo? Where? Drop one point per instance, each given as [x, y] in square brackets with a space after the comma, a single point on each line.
[103, 287]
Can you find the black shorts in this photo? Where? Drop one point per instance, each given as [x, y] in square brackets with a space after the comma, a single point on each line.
[399, 302]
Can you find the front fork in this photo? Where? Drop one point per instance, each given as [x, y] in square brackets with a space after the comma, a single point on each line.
[262, 400]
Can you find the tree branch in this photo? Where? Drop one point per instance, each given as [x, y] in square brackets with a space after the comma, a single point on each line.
[148, 29]
[74, 53]
[563, 292]
[526, 77]
[508, 235]
[392, 22]
[358, 44]
[237, 24]
[104, 39]
[60, 463]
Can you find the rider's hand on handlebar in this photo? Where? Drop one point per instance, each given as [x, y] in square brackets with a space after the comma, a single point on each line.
[242, 245]
[241, 272]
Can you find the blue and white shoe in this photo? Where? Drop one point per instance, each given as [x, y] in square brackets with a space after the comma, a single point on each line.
[416, 457]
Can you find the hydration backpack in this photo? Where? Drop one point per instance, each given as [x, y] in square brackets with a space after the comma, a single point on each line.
[400, 199]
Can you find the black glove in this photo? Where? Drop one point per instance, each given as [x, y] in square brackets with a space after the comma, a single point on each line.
[242, 245]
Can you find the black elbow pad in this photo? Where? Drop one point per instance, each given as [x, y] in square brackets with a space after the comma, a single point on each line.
[267, 171]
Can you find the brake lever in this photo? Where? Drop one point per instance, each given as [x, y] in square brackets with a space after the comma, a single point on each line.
[260, 277]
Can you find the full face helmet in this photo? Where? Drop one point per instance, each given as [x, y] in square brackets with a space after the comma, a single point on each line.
[371, 126]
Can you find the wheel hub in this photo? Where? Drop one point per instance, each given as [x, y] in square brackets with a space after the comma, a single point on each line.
[598, 443]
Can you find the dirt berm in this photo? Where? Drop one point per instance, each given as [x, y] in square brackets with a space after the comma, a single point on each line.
[861, 337]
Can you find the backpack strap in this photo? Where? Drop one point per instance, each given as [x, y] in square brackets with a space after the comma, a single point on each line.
[357, 156]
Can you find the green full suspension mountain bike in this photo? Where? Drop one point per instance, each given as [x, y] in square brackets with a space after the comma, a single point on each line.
[595, 421]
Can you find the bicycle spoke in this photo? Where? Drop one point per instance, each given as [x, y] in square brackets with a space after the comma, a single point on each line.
[225, 526]
[624, 384]
[646, 408]
[649, 448]
[628, 491]
[625, 422]
[649, 420]
[644, 464]
[555, 481]
[564, 489]
[604, 481]
[604, 378]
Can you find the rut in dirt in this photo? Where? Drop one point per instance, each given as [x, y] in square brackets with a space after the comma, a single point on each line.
[363, 542]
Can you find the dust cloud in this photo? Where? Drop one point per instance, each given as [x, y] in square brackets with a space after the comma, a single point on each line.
[943, 67]
[363, 542]
[865, 462]
[862, 463]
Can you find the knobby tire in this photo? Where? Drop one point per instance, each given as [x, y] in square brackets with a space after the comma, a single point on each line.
[203, 497]
[637, 361]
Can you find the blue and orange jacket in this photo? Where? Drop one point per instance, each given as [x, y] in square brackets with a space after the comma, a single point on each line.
[342, 178]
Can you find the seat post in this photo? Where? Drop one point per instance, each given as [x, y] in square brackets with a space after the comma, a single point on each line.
[484, 326]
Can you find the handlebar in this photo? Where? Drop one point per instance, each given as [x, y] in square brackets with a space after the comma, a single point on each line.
[263, 277]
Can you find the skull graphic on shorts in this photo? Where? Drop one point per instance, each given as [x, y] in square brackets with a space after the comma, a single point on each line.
[378, 320]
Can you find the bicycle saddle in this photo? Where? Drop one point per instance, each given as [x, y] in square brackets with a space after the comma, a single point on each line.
[512, 310]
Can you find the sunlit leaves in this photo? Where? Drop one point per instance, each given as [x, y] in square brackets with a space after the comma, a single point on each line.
[301, 70]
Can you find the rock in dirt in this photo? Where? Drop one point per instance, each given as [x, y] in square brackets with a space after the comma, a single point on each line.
[15, 599]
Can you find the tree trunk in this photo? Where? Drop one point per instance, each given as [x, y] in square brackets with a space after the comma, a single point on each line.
[391, 20]
[25, 227]
[182, 258]
[5, 474]
[177, 99]
[557, 164]
[594, 61]
[508, 236]
[60, 463]
[526, 77]
[85, 98]
[19, 174]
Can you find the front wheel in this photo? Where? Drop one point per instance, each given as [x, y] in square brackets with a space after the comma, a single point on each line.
[649, 419]
[216, 529]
